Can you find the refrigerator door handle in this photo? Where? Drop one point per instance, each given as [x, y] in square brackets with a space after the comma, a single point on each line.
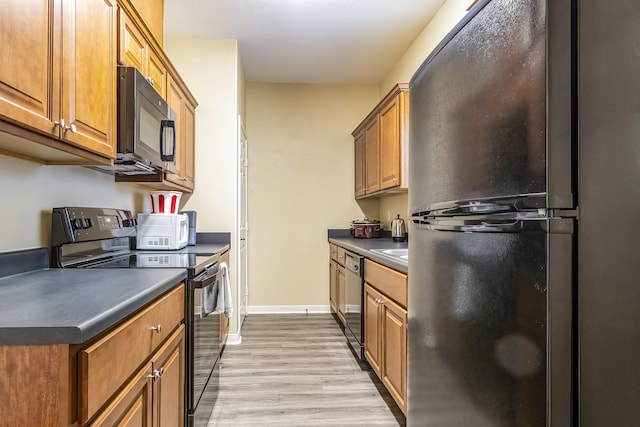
[486, 206]
[419, 219]
[468, 208]
[475, 208]
[485, 225]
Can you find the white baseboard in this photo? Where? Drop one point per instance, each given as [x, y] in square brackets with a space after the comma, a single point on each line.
[289, 309]
[234, 339]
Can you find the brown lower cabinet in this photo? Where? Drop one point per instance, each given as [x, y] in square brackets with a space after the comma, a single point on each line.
[385, 328]
[130, 375]
[149, 398]
[337, 277]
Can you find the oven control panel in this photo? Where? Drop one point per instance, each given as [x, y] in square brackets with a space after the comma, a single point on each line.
[73, 225]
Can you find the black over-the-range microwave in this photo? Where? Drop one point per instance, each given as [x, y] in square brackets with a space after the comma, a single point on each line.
[146, 127]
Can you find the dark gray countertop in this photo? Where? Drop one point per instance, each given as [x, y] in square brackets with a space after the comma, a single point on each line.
[364, 246]
[209, 248]
[70, 306]
[200, 249]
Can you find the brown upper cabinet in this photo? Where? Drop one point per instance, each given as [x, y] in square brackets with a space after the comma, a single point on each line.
[140, 47]
[151, 13]
[185, 135]
[58, 80]
[358, 139]
[382, 146]
[135, 51]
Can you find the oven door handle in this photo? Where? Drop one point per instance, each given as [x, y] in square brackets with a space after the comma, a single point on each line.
[207, 280]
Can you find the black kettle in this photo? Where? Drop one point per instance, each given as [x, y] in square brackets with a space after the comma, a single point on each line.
[398, 229]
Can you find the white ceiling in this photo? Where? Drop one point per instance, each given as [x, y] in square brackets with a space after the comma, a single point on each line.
[307, 41]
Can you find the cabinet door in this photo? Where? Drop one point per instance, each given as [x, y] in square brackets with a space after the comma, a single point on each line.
[157, 74]
[152, 14]
[390, 145]
[175, 99]
[189, 145]
[89, 74]
[133, 49]
[185, 135]
[372, 327]
[169, 362]
[29, 73]
[394, 348]
[333, 286]
[342, 294]
[132, 406]
[359, 163]
[372, 156]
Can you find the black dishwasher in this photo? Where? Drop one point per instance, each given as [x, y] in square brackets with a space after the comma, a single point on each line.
[354, 289]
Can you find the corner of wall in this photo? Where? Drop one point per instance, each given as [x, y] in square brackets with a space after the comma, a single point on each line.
[443, 21]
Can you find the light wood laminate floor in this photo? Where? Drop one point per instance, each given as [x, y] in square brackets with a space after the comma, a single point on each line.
[297, 370]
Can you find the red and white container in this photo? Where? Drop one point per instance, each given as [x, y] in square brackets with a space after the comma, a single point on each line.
[165, 202]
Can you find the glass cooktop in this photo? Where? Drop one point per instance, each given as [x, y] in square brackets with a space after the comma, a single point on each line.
[193, 262]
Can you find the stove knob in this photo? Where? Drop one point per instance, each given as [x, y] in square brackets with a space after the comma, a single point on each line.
[77, 224]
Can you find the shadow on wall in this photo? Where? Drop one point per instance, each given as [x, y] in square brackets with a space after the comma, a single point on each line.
[45, 228]
[369, 207]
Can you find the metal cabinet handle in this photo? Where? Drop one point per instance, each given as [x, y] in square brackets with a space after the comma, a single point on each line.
[64, 126]
[151, 81]
[157, 329]
[157, 374]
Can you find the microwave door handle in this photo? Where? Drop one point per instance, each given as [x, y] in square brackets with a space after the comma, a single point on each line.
[167, 130]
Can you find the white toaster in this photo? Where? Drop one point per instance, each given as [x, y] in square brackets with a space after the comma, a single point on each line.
[162, 231]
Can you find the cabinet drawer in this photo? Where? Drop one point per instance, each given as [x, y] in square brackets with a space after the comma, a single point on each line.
[341, 256]
[333, 252]
[106, 365]
[390, 282]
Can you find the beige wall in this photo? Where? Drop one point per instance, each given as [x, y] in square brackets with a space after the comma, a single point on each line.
[30, 190]
[390, 206]
[209, 68]
[212, 70]
[301, 175]
[301, 183]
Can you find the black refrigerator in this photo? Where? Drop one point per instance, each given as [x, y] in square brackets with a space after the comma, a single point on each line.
[524, 192]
